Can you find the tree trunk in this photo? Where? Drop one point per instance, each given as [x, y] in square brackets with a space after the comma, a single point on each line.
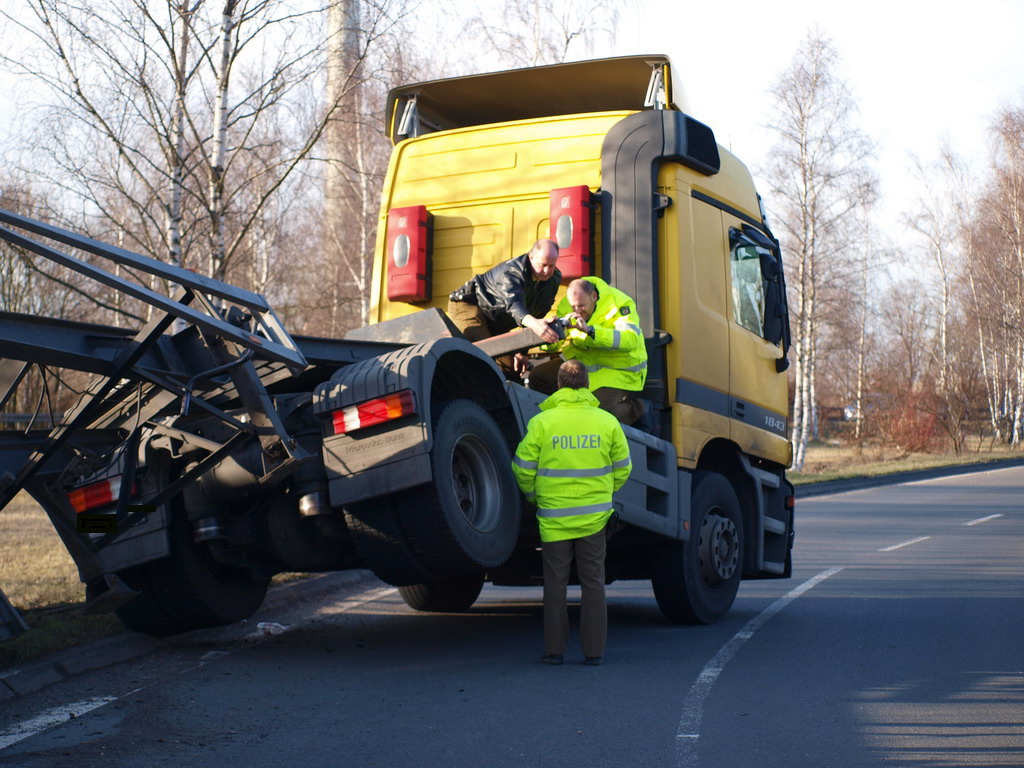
[176, 172]
[862, 332]
[218, 153]
[343, 238]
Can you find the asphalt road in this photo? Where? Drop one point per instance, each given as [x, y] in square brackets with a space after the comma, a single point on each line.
[898, 641]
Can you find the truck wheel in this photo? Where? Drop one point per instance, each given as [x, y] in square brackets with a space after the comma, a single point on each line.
[188, 589]
[468, 520]
[453, 596]
[463, 523]
[695, 581]
[376, 529]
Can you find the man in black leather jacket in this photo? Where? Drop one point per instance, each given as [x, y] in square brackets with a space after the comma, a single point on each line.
[517, 292]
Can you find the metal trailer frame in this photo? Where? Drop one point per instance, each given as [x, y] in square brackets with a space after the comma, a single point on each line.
[231, 349]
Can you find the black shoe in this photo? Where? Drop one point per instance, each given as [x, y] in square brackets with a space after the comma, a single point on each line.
[552, 658]
[593, 661]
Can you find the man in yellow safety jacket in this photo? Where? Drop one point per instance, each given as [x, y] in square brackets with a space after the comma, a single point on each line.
[573, 458]
[604, 334]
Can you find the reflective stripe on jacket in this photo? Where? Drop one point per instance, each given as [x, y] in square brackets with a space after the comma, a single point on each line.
[617, 355]
[573, 458]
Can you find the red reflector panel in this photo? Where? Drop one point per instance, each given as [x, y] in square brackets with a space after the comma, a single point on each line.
[95, 495]
[571, 216]
[790, 502]
[408, 253]
[375, 411]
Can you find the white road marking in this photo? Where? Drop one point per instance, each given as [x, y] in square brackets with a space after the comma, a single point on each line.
[983, 519]
[688, 732]
[55, 716]
[894, 547]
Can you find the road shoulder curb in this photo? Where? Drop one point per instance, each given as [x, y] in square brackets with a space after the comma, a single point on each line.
[33, 676]
[809, 490]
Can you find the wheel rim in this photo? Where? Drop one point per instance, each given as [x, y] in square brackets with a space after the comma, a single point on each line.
[475, 483]
[719, 548]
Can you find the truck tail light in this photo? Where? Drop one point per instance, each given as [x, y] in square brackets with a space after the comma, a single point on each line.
[376, 411]
[408, 253]
[571, 216]
[96, 495]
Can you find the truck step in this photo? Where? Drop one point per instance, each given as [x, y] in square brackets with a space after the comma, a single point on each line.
[768, 479]
[776, 568]
[771, 525]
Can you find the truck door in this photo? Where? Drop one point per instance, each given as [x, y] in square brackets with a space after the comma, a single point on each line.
[694, 312]
[758, 402]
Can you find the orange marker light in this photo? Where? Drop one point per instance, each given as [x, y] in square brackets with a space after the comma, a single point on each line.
[376, 411]
[95, 495]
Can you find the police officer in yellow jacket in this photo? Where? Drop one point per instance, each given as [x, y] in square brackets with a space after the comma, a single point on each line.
[573, 458]
[604, 334]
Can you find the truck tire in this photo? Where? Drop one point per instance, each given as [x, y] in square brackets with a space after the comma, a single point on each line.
[452, 596]
[187, 589]
[469, 518]
[466, 521]
[376, 529]
[695, 581]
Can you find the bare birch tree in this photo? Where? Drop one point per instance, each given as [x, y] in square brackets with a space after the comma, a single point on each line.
[936, 220]
[941, 219]
[997, 275]
[872, 255]
[31, 285]
[180, 121]
[988, 356]
[819, 173]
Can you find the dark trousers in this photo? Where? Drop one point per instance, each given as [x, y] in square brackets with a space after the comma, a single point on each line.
[470, 320]
[589, 552]
[620, 403]
[474, 326]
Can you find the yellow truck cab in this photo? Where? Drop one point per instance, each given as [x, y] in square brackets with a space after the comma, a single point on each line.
[601, 157]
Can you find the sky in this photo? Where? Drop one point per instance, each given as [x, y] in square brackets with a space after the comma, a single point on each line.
[921, 72]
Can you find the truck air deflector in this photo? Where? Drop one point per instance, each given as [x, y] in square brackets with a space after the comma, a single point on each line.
[631, 156]
[572, 88]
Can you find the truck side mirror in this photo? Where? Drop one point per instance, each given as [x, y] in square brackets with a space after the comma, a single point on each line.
[774, 299]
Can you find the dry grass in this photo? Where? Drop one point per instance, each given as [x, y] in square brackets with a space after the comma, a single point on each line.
[35, 570]
[834, 461]
[41, 580]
